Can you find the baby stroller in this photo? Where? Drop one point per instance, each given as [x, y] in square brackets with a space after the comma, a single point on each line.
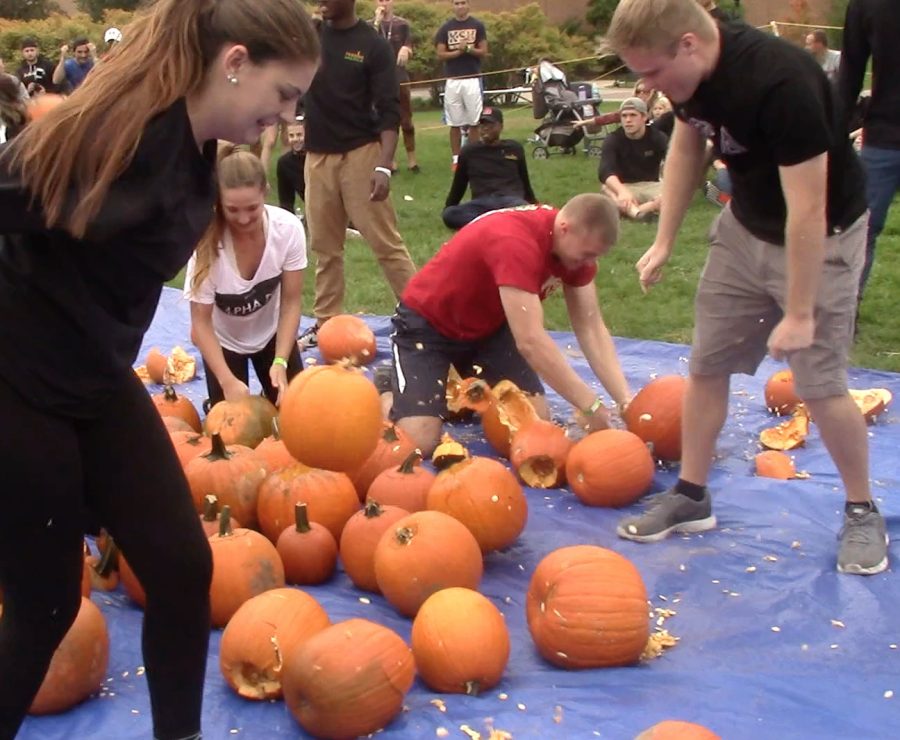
[560, 104]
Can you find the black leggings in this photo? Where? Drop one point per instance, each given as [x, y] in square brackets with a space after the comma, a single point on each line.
[120, 468]
[261, 362]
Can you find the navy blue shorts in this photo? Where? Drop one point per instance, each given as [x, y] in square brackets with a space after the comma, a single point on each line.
[423, 356]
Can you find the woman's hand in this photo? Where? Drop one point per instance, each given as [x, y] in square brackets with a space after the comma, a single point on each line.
[278, 377]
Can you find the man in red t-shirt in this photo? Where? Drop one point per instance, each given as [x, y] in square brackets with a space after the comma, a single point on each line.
[478, 302]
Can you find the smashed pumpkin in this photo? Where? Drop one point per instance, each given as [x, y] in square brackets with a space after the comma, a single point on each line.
[787, 435]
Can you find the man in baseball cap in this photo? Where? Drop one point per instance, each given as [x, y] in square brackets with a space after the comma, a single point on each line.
[493, 168]
[630, 163]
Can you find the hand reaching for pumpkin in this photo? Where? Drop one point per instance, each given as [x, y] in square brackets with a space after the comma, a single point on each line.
[234, 389]
[278, 376]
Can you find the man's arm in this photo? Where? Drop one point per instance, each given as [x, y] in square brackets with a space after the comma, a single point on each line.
[59, 72]
[805, 194]
[460, 180]
[854, 58]
[526, 180]
[685, 161]
[386, 102]
[525, 316]
[595, 340]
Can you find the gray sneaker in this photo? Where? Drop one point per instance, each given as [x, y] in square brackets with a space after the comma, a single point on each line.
[668, 512]
[309, 337]
[864, 541]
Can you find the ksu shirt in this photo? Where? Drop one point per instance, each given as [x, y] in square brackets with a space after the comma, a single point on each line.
[245, 312]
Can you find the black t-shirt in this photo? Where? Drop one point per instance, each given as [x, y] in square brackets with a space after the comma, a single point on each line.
[664, 124]
[290, 177]
[75, 311]
[491, 169]
[40, 73]
[769, 104]
[456, 34]
[633, 160]
[354, 95]
[872, 29]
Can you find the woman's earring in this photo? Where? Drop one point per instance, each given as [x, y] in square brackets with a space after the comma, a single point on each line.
[232, 78]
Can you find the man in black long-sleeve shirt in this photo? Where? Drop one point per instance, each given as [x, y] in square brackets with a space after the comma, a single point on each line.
[630, 162]
[352, 115]
[494, 169]
[872, 29]
[289, 168]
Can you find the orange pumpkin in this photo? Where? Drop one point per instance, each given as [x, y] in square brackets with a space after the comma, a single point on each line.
[359, 539]
[247, 421]
[350, 679]
[308, 550]
[331, 417]
[587, 608]
[156, 364]
[504, 409]
[169, 403]
[872, 402]
[212, 515]
[789, 434]
[233, 474]
[482, 494]
[448, 452]
[346, 337]
[539, 452]
[78, 666]
[460, 642]
[245, 564]
[612, 467]
[423, 553]
[673, 729]
[273, 452]
[405, 487]
[781, 397]
[177, 424]
[85, 575]
[104, 568]
[654, 415]
[262, 633]
[774, 464]
[189, 445]
[330, 496]
[394, 446]
[457, 410]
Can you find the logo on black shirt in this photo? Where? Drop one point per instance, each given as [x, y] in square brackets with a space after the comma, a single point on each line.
[354, 56]
[250, 302]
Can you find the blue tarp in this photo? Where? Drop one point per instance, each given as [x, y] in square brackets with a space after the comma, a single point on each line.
[773, 642]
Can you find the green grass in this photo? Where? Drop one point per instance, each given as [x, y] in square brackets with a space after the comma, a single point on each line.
[666, 313]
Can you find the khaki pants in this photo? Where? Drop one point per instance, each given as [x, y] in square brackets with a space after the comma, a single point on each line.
[337, 189]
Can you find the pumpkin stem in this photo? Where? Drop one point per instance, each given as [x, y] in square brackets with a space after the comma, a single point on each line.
[109, 558]
[372, 509]
[404, 535]
[210, 507]
[390, 434]
[472, 688]
[302, 518]
[225, 522]
[408, 465]
[169, 394]
[276, 432]
[218, 451]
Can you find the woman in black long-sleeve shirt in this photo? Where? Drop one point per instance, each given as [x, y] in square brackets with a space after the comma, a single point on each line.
[101, 201]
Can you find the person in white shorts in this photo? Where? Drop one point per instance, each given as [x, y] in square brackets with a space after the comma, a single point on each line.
[462, 43]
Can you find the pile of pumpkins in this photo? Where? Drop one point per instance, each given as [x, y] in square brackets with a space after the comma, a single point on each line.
[284, 494]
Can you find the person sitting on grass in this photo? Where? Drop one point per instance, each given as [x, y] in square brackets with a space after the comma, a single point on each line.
[245, 283]
[478, 302]
[494, 169]
[630, 163]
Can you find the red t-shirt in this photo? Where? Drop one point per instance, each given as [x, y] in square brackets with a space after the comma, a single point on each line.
[457, 291]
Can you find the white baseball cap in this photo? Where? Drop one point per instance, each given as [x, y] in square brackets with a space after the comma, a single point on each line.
[112, 34]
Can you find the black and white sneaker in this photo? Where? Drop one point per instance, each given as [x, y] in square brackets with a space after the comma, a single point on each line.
[309, 337]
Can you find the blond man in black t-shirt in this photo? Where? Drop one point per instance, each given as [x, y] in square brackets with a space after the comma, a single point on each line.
[785, 255]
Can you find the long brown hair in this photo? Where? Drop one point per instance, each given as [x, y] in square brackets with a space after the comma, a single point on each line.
[86, 142]
[237, 168]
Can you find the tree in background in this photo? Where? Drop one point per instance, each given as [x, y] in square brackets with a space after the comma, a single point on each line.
[27, 10]
[96, 8]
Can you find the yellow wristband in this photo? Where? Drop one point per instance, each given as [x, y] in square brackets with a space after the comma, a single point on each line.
[594, 407]
[280, 361]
